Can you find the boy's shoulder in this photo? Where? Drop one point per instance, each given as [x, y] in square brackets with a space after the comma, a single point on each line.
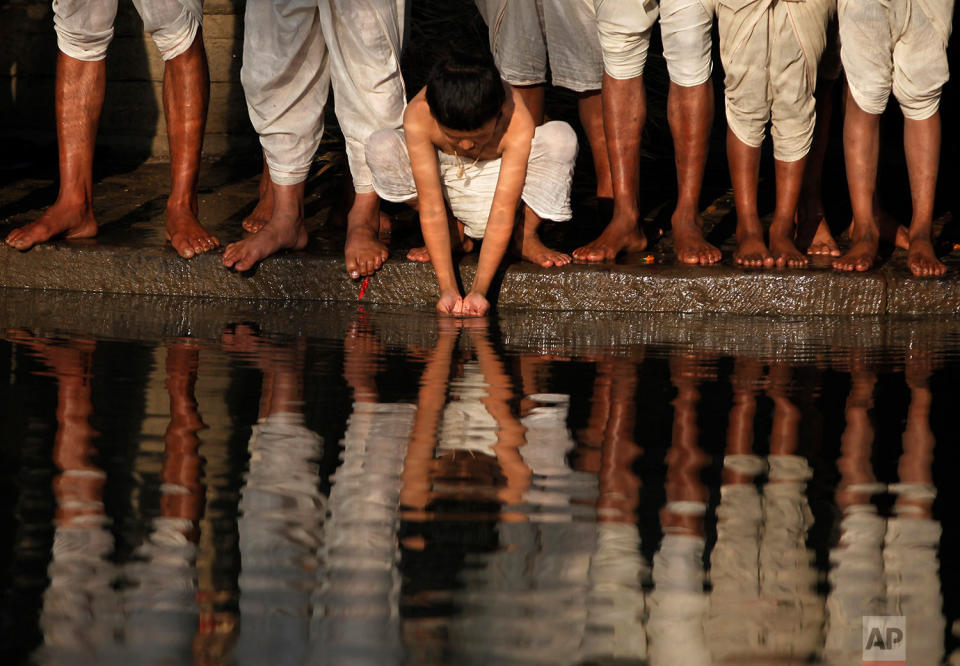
[417, 114]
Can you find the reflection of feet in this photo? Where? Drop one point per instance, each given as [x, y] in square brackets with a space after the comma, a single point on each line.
[422, 254]
[859, 257]
[186, 235]
[823, 243]
[785, 253]
[532, 249]
[61, 219]
[277, 234]
[922, 260]
[364, 252]
[689, 244]
[752, 252]
[621, 235]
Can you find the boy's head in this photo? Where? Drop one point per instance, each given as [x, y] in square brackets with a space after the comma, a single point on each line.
[464, 91]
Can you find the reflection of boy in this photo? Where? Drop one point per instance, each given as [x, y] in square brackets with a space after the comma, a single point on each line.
[469, 143]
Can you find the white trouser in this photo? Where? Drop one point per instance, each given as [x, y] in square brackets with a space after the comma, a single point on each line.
[85, 27]
[294, 50]
[624, 28]
[685, 27]
[553, 153]
[524, 32]
[898, 45]
[771, 50]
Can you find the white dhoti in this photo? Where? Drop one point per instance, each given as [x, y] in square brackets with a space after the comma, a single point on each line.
[525, 33]
[294, 50]
[85, 27]
[553, 154]
[898, 45]
[624, 27]
[771, 51]
[685, 28]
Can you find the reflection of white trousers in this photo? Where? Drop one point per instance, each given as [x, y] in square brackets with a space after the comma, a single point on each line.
[85, 27]
[294, 50]
[898, 45]
[523, 32]
[553, 154]
[770, 51]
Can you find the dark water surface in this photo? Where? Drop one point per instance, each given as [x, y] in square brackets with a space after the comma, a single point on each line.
[390, 488]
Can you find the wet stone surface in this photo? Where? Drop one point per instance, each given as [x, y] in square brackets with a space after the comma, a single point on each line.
[131, 256]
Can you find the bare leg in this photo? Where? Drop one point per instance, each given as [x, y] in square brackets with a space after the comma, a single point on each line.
[783, 230]
[186, 94]
[619, 485]
[285, 230]
[79, 99]
[624, 113]
[533, 97]
[364, 253]
[590, 107]
[861, 146]
[812, 229]
[856, 444]
[690, 112]
[921, 143]
[685, 458]
[181, 464]
[745, 173]
[528, 243]
[261, 213]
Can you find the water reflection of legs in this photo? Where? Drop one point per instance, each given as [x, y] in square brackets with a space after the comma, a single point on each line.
[80, 607]
[357, 613]
[281, 509]
[678, 603]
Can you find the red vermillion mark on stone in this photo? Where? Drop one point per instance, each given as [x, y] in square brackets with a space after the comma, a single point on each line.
[363, 287]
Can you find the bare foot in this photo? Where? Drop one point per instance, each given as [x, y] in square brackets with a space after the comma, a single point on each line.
[860, 256]
[61, 219]
[621, 235]
[531, 248]
[261, 213]
[823, 244]
[186, 235]
[278, 234]
[689, 244]
[785, 252]
[364, 252]
[922, 260]
[752, 252]
[422, 254]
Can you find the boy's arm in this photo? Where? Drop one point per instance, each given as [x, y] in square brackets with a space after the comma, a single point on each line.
[503, 212]
[417, 124]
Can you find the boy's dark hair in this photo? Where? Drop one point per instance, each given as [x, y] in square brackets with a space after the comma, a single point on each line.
[464, 90]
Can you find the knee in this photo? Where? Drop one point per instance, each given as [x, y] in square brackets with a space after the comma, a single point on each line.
[687, 47]
[870, 96]
[792, 138]
[557, 139]
[383, 147]
[84, 29]
[173, 25]
[919, 94]
[624, 54]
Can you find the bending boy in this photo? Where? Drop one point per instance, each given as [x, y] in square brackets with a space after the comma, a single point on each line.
[770, 52]
[468, 153]
[84, 31]
[900, 46]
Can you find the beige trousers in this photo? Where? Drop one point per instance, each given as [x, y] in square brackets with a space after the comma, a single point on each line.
[85, 27]
[770, 51]
[685, 27]
[525, 33]
[898, 45]
[553, 154]
[624, 27]
[294, 50]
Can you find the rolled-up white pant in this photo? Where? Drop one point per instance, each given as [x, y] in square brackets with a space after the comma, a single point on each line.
[898, 45]
[553, 153]
[524, 33]
[685, 27]
[85, 27]
[624, 28]
[770, 51]
[294, 50]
